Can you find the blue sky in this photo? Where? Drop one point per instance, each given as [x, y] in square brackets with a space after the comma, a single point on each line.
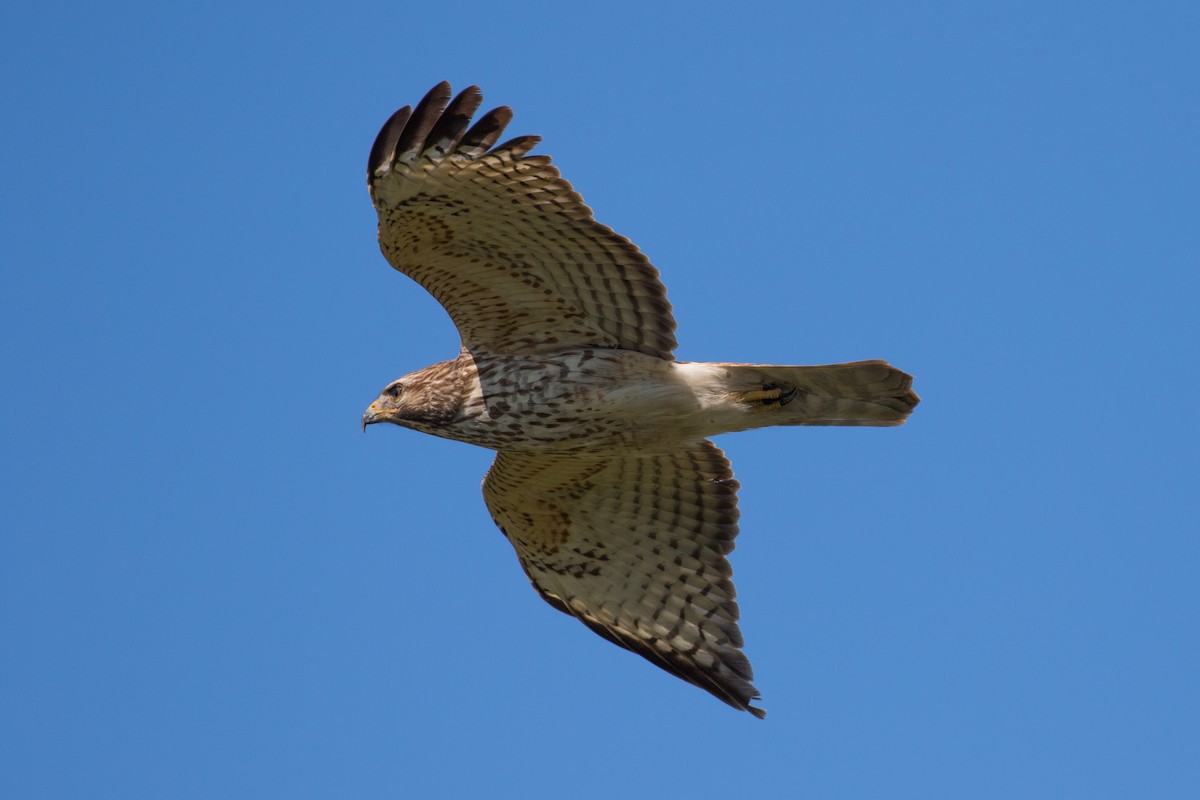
[212, 584]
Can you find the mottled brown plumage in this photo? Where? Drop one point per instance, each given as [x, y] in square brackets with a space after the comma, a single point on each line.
[621, 511]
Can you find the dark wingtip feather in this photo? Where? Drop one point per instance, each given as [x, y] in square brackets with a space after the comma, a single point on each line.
[449, 129]
[485, 132]
[443, 125]
[380, 158]
[519, 146]
[424, 117]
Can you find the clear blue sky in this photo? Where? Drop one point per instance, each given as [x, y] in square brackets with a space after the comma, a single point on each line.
[212, 584]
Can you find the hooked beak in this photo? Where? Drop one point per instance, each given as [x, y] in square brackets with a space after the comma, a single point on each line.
[370, 417]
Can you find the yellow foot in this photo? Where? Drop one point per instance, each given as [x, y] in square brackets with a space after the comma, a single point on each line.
[769, 397]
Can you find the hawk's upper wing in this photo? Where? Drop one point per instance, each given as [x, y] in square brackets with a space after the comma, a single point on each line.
[634, 547]
[503, 242]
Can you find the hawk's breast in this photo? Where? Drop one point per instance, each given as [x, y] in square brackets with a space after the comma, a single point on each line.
[570, 401]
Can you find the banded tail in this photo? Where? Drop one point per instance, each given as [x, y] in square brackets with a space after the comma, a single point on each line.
[857, 393]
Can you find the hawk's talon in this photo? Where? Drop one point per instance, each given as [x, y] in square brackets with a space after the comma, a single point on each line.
[769, 397]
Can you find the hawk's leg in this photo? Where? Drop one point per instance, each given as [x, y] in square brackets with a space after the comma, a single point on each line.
[769, 397]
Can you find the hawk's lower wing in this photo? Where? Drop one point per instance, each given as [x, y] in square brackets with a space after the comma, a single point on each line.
[634, 547]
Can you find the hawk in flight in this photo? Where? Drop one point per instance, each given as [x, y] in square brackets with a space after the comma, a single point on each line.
[621, 511]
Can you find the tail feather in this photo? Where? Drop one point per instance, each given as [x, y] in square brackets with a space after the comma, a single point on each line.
[857, 393]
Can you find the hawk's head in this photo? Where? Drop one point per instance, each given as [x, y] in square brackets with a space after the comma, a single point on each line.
[427, 400]
[392, 405]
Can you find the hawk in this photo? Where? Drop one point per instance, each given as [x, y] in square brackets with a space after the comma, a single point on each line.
[620, 509]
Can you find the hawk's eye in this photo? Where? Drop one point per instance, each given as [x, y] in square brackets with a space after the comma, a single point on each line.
[393, 391]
